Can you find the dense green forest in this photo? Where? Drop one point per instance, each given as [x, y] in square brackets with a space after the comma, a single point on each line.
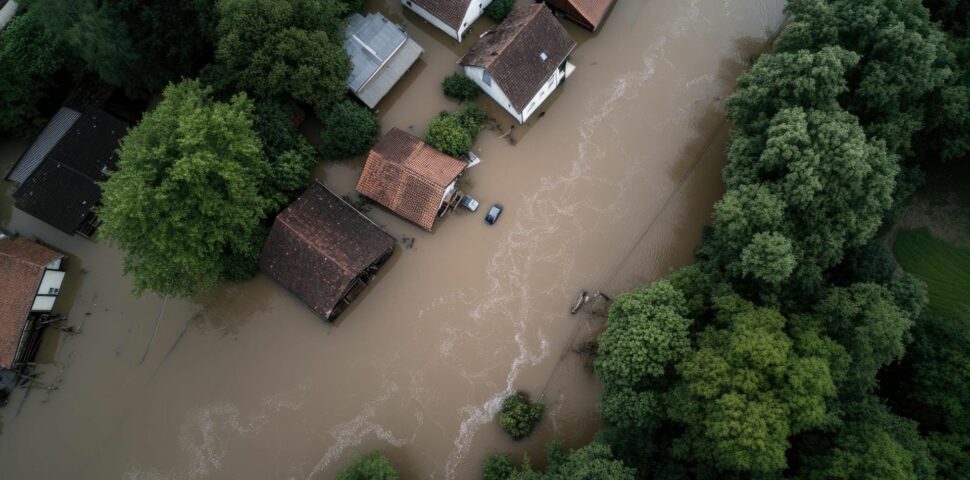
[793, 347]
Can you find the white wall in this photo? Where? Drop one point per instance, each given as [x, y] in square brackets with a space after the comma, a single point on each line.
[475, 10]
[493, 90]
[431, 18]
[52, 279]
[547, 88]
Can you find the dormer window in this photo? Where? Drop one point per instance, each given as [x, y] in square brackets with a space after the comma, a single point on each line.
[543, 56]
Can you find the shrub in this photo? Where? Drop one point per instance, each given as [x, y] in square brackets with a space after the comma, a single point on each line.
[499, 9]
[460, 87]
[498, 467]
[348, 130]
[373, 466]
[519, 416]
[454, 133]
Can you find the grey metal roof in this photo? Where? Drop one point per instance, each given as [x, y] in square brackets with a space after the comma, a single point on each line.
[373, 42]
[55, 130]
[7, 10]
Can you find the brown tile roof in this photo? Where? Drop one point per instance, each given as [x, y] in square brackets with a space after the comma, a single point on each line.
[408, 176]
[452, 12]
[319, 245]
[21, 270]
[512, 55]
[588, 13]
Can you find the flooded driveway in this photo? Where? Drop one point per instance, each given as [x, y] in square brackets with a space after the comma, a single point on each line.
[608, 189]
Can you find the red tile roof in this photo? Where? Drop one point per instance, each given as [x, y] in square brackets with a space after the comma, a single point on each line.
[523, 52]
[21, 270]
[319, 245]
[588, 13]
[452, 12]
[408, 176]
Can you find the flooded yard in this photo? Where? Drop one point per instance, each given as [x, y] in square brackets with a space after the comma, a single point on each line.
[607, 189]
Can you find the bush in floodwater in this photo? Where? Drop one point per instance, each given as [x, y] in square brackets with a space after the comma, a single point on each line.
[460, 87]
[454, 133]
[349, 129]
[499, 9]
[519, 416]
[498, 467]
[373, 466]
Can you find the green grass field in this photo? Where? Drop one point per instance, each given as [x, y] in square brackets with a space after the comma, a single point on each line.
[944, 267]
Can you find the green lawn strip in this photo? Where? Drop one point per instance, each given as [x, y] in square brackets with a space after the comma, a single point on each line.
[944, 267]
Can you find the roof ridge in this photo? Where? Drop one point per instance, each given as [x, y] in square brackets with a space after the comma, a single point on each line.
[306, 241]
[525, 22]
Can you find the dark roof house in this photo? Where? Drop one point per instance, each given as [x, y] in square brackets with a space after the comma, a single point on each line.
[410, 177]
[588, 13]
[453, 17]
[58, 174]
[26, 268]
[522, 61]
[380, 54]
[324, 251]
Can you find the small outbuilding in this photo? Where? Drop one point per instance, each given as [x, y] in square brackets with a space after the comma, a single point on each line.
[410, 177]
[523, 61]
[30, 281]
[60, 171]
[587, 13]
[453, 17]
[380, 54]
[324, 251]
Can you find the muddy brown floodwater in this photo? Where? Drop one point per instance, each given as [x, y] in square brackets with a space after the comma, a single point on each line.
[607, 190]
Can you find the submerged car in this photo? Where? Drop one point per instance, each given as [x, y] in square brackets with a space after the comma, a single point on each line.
[469, 203]
[492, 216]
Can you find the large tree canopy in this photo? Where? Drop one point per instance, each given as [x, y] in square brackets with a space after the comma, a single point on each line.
[186, 203]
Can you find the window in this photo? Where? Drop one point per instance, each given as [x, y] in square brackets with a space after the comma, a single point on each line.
[486, 78]
[543, 56]
[53, 291]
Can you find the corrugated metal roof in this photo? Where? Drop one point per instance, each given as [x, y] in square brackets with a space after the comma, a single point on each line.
[370, 42]
[59, 125]
[390, 73]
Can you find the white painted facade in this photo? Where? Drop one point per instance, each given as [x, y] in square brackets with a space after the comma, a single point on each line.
[491, 87]
[7, 12]
[49, 288]
[475, 10]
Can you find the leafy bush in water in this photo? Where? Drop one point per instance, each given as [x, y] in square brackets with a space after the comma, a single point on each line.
[499, 9]
[454, 133]
[460, 87]
[373, 466]
[348, 130]
[497, 467]
[519, 416]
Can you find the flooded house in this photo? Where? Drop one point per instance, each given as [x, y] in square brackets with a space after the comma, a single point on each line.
[380, 54]
[453, 17]
[324, 251]
[59, 173]
[30, 281]
[589, 14]
[411, 178]
[523, 61]
[8, 8]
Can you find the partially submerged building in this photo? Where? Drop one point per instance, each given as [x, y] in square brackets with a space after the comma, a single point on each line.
[8, 8]
[523, 61]
[588, 13]
[380, 54]
[324, 251]
[30, 281]
[60, 171]
[453, 17]
[410, 177]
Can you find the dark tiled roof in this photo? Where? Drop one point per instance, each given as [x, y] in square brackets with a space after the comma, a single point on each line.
[513, 54]
[588, 13]
[63, 189]
[452, 12]
[408, 176]
[319, 245]
[21, 270]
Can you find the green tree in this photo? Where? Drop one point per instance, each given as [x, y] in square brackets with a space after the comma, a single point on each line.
[454, 133]
[348, 130]
[460, 87]
[30, 59]
[769, 257]
[519, 416]
[185, 203]
[592, 462]
[745, 390]
[283, 48]
[499, 9]
[373, 466]
[289, 153]
[497, 467]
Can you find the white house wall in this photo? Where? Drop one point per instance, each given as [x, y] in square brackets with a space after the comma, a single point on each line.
[475, 10]
[493, 90]
[43, 304]
[51, 283]
[431, 19]
[547, 88]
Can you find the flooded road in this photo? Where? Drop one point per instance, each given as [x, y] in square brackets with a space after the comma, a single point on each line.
[608, 189]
